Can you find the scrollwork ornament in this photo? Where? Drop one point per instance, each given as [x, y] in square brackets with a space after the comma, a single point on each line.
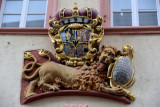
[95, 31]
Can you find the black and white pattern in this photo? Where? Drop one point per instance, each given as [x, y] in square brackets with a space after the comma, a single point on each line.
[76, 20]
[123, 71]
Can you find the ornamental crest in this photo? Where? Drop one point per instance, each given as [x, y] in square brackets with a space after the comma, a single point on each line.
[76, 35]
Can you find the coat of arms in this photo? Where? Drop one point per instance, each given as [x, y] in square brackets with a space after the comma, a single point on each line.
[76, 35]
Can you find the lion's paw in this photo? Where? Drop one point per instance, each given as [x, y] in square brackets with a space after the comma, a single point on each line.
[54, 88]
[118, 91]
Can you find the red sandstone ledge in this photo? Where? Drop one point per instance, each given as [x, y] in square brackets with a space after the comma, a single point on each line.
[74, 93]
[107, 31]
[25, 31]
[139, 30]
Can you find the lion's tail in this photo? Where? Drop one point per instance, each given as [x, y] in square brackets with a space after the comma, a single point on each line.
[33, 76]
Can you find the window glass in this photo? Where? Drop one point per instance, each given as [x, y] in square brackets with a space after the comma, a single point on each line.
[13, 6]
[122, 13]
[147, 4]
[148, 18]
[121, 5]
[37, 6]
[122, 19]
[34, 15]
[35, 21]
[147, 12]
[11, 21]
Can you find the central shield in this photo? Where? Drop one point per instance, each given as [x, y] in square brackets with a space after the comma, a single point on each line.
[76, 35]
[75, 42]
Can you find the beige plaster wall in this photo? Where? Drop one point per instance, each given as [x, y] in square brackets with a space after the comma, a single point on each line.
[146, 62]
[80, 3]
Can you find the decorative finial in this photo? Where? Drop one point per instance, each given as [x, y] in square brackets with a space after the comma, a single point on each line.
[75, 3]
[75, 6]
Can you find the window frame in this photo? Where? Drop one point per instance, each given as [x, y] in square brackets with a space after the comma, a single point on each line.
[111, 9]
[49, 13]
[104, 12]
[23, 14]
[135, 13]
[0, 4]
[2, 11]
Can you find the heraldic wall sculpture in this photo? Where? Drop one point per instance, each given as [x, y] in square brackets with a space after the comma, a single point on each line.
[76, 35]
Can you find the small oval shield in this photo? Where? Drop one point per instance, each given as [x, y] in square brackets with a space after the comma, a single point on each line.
[122, 73]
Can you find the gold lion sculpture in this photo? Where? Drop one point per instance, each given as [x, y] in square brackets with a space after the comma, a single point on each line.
[50, 76]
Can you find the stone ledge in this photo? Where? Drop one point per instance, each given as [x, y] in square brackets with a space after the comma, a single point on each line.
[74, 93]
[107, 31]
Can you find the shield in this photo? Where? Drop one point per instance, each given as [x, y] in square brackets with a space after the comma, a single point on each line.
[75, 42]
[76, 35]
[122, 73]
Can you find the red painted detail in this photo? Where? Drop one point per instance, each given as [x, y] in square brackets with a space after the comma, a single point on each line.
[107, 31]
[26, 83]
[26, 31]
[104, 12]
[41, 95]
[75, 93]
[51, 11]
[82, 13]
[132, 30]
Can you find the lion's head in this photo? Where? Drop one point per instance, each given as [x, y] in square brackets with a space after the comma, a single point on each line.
[107, 56]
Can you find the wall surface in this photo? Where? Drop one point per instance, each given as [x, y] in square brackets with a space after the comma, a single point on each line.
[146, 64]
[80, 3]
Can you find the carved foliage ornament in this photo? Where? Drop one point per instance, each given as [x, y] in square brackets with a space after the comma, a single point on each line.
[76, 35]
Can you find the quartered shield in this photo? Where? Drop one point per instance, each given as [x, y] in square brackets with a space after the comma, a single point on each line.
[76, 35]
[75, 42]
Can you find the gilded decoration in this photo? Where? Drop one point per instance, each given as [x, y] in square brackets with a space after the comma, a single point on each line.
[123, 61]
[76, 34]
[76, 37]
